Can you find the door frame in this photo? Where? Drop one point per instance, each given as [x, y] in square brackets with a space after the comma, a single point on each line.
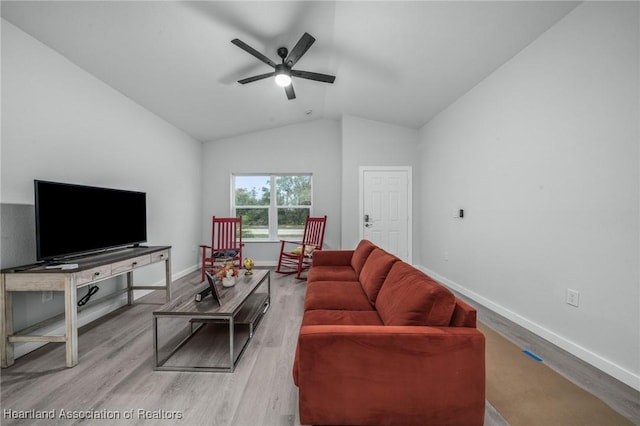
[409, 171]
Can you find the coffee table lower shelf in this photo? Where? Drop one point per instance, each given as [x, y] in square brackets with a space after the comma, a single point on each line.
[206, 342]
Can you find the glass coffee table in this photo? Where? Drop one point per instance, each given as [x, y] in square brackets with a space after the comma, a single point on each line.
[207, 335]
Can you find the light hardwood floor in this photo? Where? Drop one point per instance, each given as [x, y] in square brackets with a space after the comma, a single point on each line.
[115, 374]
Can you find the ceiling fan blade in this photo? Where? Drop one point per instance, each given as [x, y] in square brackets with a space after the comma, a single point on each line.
[244, 46]
[256, 78]
[290, 92]
[300, 48]
[325, 78]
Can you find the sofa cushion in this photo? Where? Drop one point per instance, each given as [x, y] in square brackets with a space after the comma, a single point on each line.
[332, 258]
[338, 317]
[409, 297]
[375, 271]
[341, 295]
[333, 317]
[360, 255]
[331, 273]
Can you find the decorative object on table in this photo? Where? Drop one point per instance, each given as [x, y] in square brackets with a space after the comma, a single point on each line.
[212, 289]
[228, 274]
[202, 294]
[229, 281]
[248, 265]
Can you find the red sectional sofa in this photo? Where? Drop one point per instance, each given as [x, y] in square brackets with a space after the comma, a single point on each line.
[381, 343]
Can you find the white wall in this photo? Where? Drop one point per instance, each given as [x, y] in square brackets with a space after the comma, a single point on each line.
[544, 157]
[310, 147]
[60, 123]
[373, 143]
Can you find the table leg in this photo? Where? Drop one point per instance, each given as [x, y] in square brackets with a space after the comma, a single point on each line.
[6, 316]
[167, 278]
[231, 348]
[269, 288]
[129, 288]
[71, 322]
[155, 342]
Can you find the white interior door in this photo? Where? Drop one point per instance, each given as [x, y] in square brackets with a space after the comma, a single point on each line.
[386, 208]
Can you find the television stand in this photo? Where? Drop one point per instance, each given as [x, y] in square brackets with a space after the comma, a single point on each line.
[90, 270]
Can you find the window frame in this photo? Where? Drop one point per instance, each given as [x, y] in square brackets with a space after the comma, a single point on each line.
[273, 199]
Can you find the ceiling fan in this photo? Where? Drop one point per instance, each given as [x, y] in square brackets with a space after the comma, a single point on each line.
[283, 71]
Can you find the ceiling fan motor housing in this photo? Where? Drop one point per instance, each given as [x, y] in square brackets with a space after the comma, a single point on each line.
[283, 52]
[283, 69]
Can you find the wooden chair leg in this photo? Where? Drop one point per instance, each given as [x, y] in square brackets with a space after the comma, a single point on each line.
[299, 271]
[300, 265]
[279, 268]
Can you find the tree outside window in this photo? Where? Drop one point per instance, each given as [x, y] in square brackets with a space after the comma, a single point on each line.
[272, 206]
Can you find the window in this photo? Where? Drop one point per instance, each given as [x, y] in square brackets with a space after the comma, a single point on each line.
[272, 207]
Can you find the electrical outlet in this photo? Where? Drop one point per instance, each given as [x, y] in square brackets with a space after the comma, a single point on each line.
[47, 296]
[573, 297]
[446, 256]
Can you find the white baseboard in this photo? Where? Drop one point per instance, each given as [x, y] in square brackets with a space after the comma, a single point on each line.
[584, 354]
[184, 272]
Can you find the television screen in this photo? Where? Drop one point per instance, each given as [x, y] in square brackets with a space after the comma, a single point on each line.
[76, 219]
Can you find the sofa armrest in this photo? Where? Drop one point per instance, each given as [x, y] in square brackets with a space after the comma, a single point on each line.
[464, 315]
[391, 375]
[332, 258]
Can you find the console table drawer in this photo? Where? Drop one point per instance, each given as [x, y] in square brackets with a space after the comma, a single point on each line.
[95, 274]
[160, 255]
[130, 264]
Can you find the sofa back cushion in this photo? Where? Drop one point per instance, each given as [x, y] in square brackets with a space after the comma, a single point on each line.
[360, 255]
[409, 297]
[374, 272]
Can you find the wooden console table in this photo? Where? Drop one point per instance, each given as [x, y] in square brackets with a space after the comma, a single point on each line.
[90, 270]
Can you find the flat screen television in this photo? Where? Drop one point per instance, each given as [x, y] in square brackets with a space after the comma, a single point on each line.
[77, 219]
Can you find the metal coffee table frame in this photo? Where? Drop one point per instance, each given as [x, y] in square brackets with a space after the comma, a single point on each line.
[241, 304]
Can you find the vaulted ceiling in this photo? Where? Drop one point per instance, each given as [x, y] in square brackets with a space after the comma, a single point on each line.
[394, 61]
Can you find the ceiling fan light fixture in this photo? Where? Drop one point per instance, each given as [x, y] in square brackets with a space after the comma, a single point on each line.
[283, 80]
